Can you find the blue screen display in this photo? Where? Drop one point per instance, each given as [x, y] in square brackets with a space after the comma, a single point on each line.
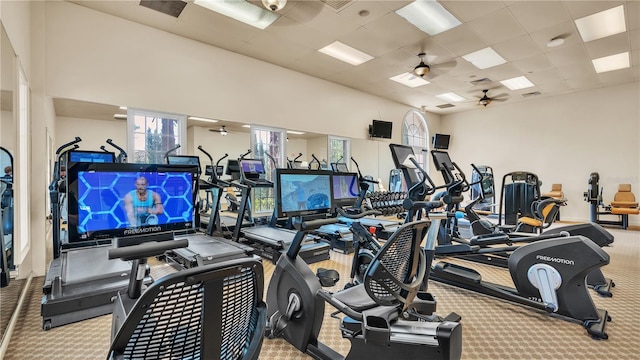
[305, 192]
[109, 200]
[91, 157]
[252, 166]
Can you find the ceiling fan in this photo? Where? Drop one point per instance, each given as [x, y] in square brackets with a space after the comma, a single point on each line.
[223, 130]
[423, 69]
[486, 100]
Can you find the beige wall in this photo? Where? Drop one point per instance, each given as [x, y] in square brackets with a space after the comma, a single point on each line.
[561, 139]
[193, 78]
[93, 133]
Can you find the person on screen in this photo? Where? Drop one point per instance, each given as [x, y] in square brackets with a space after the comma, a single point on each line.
[301, 195]
[142, 205]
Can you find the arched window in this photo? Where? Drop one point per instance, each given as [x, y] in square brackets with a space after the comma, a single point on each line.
[415, 133]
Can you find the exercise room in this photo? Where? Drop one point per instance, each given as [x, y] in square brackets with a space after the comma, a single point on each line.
[273, 179]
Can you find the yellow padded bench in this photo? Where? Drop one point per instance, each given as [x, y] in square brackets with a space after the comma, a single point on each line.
[624, 204]
[556, 192]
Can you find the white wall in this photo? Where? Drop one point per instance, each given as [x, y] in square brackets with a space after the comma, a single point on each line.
[561, 139]
[93, 133]
[169, 73]
[295, 147]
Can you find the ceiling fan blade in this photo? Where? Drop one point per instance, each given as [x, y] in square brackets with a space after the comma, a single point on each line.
[499, 100]
[500, 95]
[445, 65]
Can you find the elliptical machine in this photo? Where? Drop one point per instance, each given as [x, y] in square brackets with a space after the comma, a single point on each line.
[381, 313]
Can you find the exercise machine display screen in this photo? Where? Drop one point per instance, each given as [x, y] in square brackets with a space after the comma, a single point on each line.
[303, 192]
[184, 160]
[442, 160]
[92, 156]
[116, 200]
[252, 166]
[345, 189]
[402, 155]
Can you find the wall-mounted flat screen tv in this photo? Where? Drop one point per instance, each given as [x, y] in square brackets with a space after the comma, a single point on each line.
[381, 129]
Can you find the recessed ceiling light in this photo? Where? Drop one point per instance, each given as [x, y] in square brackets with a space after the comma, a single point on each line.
[517, 83]
[202, 119]
[485, 58]
[409, 80]
[602, 24]
[119, 116]
[295, 132]
[123, 108]
[246, 126]
[346, 53]
[243, 11]
[452, 97]
[612, 62]
[428, 16]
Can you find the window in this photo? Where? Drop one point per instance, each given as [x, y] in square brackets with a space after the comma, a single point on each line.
[152, 134]
[267, 144]
[415, 133]
[339, 150]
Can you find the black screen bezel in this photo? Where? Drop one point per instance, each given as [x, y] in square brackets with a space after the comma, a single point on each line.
[381, 129]
[278, 193]
[349, 201]
[72, 190]
[111, 155]
[441, 141]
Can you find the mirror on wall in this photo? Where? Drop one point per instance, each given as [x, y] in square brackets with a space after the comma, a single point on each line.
[10, 289]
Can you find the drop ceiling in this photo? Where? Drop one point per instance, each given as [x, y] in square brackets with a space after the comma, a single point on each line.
[518, 30]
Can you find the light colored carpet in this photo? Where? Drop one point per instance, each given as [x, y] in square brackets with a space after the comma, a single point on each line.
[492, 329]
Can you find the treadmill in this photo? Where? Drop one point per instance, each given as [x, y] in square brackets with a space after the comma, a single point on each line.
[81, 282]
[270, 241]
[203, 249]
[216, 224]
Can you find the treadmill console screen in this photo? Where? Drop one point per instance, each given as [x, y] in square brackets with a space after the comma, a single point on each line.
[345, 189]
[252, 166]
[118, 200]
[303, 192]
[184, 160]
[91, 156]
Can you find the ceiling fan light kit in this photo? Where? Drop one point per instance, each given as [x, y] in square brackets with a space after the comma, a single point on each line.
[422, 69]
[274, 5]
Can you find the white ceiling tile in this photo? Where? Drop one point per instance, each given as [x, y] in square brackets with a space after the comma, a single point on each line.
[303, 35]
[496, 27]
[567, 55]
[374, 9]
[460, 40]
[610, 45]
[580, 9]
[361, 39]
[517, 48]
[616, 76]
[634, 39]
[322, 18]
[577, 70]
[392, 27]
[503, 72]
[538, 15]
[632, 11]
[533, 64]
[469, 10]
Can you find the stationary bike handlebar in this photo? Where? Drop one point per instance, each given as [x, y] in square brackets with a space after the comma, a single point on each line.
[123, 154]
[145, 250]
[359, 215]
